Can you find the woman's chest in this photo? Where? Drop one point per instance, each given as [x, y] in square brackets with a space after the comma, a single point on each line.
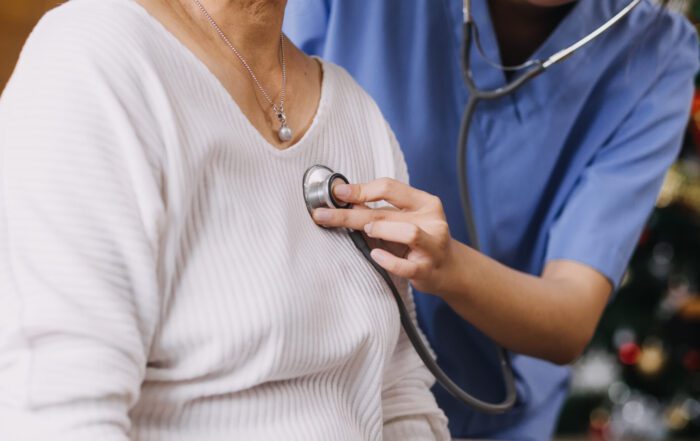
[254, 280]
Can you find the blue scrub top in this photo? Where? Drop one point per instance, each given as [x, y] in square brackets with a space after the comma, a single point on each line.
[566, 168]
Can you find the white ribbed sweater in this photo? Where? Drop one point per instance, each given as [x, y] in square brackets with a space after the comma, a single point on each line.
[160, 277]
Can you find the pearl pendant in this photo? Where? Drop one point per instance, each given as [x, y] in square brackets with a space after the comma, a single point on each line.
[285, 133]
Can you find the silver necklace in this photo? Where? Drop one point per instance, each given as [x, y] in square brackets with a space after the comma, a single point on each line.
[284, 133]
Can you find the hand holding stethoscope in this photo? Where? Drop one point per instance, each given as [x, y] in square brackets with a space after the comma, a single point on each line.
[417, 221]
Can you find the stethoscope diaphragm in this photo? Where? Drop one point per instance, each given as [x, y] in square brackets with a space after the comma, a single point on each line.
[319, 181]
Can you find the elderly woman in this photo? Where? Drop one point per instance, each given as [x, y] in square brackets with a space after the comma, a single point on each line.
[160, 276]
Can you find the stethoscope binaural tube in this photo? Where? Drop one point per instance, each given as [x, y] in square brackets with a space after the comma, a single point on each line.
[318, 193]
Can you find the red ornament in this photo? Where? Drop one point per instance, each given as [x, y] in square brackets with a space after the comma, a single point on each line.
[599, 425]
[628, 353]
[644, 237]
[695, 119]
[691, 360]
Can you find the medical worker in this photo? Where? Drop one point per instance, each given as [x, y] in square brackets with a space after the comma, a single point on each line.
[563, 174]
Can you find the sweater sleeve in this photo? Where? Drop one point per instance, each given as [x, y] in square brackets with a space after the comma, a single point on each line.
[79, 206]
[409, 407]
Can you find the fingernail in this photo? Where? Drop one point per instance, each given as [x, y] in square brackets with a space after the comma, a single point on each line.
[377, 256]
[322, 215]
[342, 190]
[368, 228]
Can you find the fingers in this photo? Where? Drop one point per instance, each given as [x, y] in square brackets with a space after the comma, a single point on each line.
[395, 265]
[404, 233]
[355, 218]
[395, 192]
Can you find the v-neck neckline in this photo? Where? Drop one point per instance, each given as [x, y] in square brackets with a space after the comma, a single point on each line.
[215, 82]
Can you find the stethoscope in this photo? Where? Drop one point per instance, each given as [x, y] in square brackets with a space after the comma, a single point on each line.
[319, 181]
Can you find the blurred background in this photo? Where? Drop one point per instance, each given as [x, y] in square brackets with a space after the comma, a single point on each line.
[640, 378]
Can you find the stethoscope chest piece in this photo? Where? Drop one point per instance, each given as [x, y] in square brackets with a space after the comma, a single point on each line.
[319, 181]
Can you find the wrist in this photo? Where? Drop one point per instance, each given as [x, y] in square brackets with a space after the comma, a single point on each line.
[457, 276]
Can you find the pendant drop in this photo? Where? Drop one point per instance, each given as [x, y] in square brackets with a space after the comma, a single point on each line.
[285, 134]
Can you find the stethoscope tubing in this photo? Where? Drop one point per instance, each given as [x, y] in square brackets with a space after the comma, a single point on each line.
[477, 95]
[424, 353]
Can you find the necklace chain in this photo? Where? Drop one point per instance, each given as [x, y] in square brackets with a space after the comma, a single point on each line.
[279, 110]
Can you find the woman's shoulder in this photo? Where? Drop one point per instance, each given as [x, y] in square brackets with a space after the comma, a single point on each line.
[668, 33]
[100, 19]
[388, 159]
[649, 50]
[108, 49]
[668, 18]
[343, 88]
[106, 33]
[80, 75]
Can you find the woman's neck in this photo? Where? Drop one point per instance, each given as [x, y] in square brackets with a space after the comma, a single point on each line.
[252, 26]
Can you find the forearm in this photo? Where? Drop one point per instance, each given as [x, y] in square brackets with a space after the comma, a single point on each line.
[551, 317]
